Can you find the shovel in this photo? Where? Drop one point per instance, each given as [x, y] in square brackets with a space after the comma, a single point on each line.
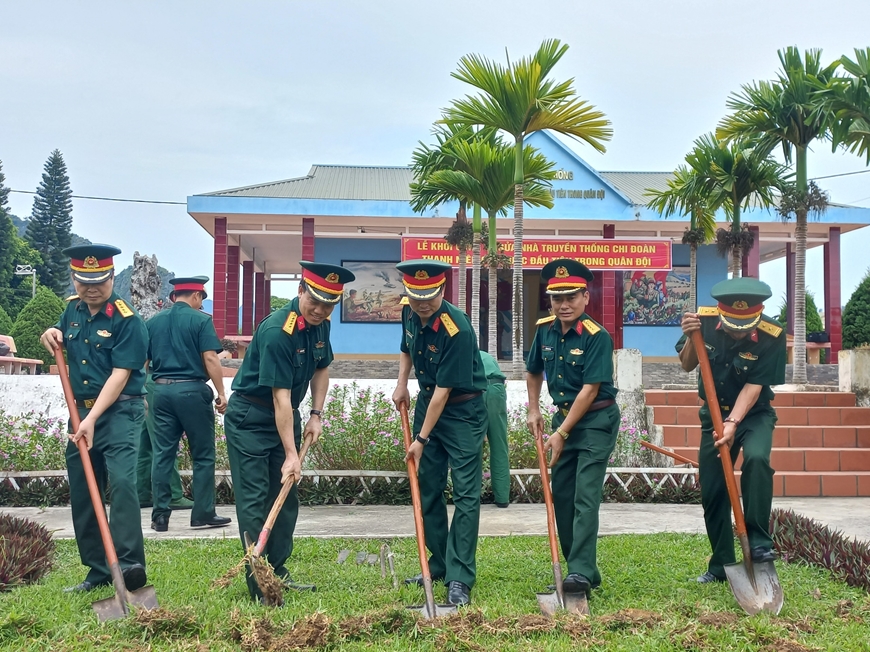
[116, 606]
[665, 451]
[429, 609]
[550, 603]
[755, 586]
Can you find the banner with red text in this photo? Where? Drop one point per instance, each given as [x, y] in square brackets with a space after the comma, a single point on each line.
[595, 254]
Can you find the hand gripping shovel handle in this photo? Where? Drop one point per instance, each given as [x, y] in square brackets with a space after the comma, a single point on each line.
[665, 451]
[724, 451]
[263, 539]
[551, 517]
[418, 513]
[96, 499]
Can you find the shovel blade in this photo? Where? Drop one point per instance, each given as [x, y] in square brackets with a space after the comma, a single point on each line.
[115, 607]
[440, 610]
[764, 594]
[575, 603]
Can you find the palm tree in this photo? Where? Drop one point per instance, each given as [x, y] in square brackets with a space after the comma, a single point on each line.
[790, 112]
[684, 196]
[520, 99]
[851, 103]
[486, 180]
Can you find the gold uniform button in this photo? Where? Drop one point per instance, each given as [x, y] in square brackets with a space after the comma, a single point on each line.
[86, 342]
[560, 375]
[84, 382]
[84, 362]
[561, 393]
[560, 357]
[419, 353]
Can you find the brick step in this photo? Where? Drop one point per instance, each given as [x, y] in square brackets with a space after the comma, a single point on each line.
[656, 397]
[808, 459]
[784, 436]
[684, 415]
[815, 483]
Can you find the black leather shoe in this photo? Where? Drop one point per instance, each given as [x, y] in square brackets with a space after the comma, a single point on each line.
[214, 521]
[576, 583]
[85, 586]
[458, 593]
[134, 577]
[418, 579]
[708, 578]
[289, 584]
[502, 505]
[763, 554]
[160, 524]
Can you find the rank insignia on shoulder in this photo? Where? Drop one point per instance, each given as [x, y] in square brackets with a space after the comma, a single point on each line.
[103, 333]
[708, 311]
[591, 326]
[123, 308]
[545, 320]
[452, 328]
[576, 352]
[746, 355]
[72, 298]
[290, 323]
[771, 329]
[404, 301]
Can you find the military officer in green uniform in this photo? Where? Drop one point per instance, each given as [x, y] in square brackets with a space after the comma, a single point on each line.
[182, 351]
[747, 352]
[289, 351]
[106, 345]
[496, 434]
[577, 355]
[450, 422]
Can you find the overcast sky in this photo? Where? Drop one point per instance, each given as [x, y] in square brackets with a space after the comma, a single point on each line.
[161, 100]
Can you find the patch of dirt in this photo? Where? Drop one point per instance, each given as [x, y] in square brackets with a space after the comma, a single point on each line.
[167, 623]
[385, 622]
[690, 638]
[631, 619]
[844, 608]
[803, 626]
[310, 632]
[718, 618]
[785, 645]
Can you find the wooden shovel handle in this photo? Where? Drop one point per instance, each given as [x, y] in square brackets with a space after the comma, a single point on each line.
[665, 451]
[548, 497]
[718, 429]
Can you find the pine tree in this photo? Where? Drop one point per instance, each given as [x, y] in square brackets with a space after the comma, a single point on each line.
[856, 316]
[8, 234]
[40, 313]
[50, 227]
[5, 322]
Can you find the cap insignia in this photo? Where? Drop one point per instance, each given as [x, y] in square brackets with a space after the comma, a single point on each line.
[91, 262]
[740, 305]
[561, 272]
[421, 275]
[332, 277]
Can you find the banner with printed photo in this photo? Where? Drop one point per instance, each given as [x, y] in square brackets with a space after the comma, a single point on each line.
[656, 298]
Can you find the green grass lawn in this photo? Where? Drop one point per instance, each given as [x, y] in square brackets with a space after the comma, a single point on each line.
[641, 572]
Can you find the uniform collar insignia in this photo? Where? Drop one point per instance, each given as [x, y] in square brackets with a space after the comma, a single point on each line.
[754, 335]
[109, 308]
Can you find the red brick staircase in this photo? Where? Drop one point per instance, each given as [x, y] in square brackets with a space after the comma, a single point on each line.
[821, 444]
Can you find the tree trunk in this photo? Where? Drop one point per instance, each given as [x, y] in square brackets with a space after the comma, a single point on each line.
[517, 289]
[799, 369]
[461, 289]
[736, 262]
[492, 339]
[693, 277]
[475, 275]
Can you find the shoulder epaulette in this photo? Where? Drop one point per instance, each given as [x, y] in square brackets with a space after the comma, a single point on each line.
[452, 328]
[770, 329]
[708, 311]
[72, 298]
[123, 308]
[591, 326]
[545, 320]
[290, 324]
[404, 301]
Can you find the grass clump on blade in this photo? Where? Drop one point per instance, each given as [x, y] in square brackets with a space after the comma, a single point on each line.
[26, 551]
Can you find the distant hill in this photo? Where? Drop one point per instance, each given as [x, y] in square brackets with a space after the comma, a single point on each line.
[21, 225]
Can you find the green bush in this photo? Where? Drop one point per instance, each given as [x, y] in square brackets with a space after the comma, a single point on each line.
[814, 319]
[856, 316]
[40, 313]
[5, 322]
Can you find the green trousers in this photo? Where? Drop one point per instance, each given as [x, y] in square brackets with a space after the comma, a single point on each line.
[496, 436]
[578, 483]
[456, 443]
[146, 457]
[755, 436]
[256, 455]
[113, 456]
[181, 408]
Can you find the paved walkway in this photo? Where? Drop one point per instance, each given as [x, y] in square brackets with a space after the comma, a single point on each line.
[849, 515]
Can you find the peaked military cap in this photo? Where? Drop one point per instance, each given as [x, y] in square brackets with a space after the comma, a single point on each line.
[423, 279]
[566, 276]
[188, 284]
[741, 301]
[325, 282]
[92, 263]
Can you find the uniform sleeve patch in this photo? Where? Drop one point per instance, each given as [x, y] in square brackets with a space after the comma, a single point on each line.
[452, 328]
[591, 326]
[290, 324]
[708, 311]
[123, 308]
[545, 320]
[770, 329]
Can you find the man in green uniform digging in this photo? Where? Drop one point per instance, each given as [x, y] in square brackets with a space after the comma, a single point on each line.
[747, 352]
[106, 344]
[497, 431]
[450, 422]
[182, 350]
[577, 355]
[289, 351]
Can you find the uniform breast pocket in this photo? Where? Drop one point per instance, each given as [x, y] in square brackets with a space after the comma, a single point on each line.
[743, 366]
[298, 359]
[103, 343]
[574, 363]
[432, 357]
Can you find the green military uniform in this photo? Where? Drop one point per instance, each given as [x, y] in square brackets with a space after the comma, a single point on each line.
[146, 457]
[583, 355]
[114, 338]
[757, 359]
[182, 401]
[284, 354]
[496, 434]
[444, 353]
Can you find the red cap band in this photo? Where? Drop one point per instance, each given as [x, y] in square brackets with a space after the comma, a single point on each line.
[325, 284]
[189, 287]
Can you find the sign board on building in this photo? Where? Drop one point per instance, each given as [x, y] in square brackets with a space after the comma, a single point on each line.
[596, 254]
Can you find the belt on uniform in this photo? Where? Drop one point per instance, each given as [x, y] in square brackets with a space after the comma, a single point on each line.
[88, 403]
[256, 401]
[461, 398]
[597, 405]
[496, 381]
[172, 381]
